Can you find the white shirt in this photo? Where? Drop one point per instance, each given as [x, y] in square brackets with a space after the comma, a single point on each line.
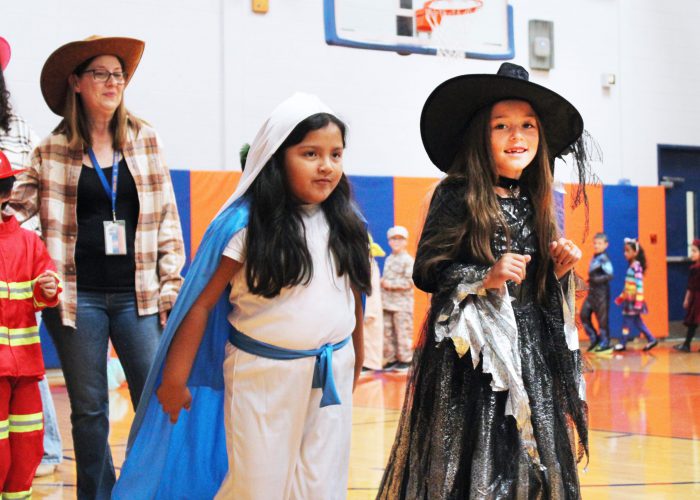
[303, 316]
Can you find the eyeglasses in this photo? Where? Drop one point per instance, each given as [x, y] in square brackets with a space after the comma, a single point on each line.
[102, 75]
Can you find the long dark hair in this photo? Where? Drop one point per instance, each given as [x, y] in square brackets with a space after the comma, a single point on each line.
[276, 251]
[474, 167]
[5, 106]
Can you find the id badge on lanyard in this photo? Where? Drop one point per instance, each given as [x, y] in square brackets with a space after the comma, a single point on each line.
[114, 230]
[115, 237]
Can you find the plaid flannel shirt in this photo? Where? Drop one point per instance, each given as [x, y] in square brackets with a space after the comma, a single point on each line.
[18, 142]
[50, 187]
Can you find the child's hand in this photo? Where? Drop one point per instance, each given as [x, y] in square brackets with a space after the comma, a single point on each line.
[385, 285]
[164, 318]
[48, 284]
[173, 398]
[510, 267]
[565, 255]
[685, 303]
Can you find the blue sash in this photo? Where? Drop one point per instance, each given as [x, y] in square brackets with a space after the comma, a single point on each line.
[323, 371]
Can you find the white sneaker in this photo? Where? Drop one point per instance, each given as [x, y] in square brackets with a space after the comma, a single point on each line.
[45, 470]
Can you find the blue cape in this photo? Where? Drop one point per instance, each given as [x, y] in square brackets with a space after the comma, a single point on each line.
[186, 460]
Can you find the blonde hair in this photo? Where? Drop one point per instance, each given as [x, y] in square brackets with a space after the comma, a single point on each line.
[75, 125]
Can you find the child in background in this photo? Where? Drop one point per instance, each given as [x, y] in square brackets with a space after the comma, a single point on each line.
[374, 316]
[691, 302]
[285, 262]
[397, 302]
[600, 272]
[28, 283]
[632, 297]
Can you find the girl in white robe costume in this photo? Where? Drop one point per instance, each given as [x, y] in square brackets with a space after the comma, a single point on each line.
[287, 369]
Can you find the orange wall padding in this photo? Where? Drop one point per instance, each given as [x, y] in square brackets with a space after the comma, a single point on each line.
[575, 230]
[411, 201]
[652, 236]
[208, 191]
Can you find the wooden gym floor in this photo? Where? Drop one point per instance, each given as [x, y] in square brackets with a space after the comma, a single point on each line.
[644, 422]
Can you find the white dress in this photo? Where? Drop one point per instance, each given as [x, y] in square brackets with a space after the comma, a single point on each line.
[280, 443]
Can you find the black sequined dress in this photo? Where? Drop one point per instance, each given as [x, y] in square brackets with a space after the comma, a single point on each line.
[458, 436]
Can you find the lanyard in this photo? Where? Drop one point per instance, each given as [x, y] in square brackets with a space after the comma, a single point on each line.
[112, 193]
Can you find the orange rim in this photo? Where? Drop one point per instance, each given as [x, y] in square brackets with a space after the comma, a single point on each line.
[453, 12]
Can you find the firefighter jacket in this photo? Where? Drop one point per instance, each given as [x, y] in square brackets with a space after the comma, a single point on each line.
[23, 258]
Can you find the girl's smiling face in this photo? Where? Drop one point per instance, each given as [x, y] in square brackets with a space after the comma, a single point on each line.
[514, 131]
[315, 165]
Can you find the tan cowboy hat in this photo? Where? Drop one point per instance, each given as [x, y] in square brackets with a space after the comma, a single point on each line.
[61, 64]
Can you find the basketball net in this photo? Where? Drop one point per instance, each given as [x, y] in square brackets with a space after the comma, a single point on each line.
[448, 21]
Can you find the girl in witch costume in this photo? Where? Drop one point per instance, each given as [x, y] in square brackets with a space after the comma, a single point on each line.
[495, 402]
[258, 345]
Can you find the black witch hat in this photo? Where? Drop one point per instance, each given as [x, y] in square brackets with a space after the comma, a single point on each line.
[451, 106]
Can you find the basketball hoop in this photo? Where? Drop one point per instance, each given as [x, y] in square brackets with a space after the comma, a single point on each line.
[429, 19]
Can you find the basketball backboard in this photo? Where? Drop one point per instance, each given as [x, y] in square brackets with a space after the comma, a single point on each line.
[485, 32]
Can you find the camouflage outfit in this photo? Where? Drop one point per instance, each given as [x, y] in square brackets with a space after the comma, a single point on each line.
[398, 308]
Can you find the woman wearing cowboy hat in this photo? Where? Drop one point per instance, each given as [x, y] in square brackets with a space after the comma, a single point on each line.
[108, 214]
[494, 407]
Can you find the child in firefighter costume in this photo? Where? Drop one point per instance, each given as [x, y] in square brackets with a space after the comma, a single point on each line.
[28, 283]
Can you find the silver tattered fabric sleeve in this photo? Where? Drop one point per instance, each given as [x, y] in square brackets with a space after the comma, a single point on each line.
[484, 322]
[569, 303]
[469, 280]
[570, 329]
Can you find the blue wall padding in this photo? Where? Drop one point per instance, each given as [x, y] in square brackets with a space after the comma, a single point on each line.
[181, 185]
[620, 221]
[375, 196]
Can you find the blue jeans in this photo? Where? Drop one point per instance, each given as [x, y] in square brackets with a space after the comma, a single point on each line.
[53, 448]
[633, 324]
[83, 353]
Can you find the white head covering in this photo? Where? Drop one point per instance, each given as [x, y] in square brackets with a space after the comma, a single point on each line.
[272, 134]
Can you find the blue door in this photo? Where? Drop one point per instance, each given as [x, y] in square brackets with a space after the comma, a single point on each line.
[679, 171]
